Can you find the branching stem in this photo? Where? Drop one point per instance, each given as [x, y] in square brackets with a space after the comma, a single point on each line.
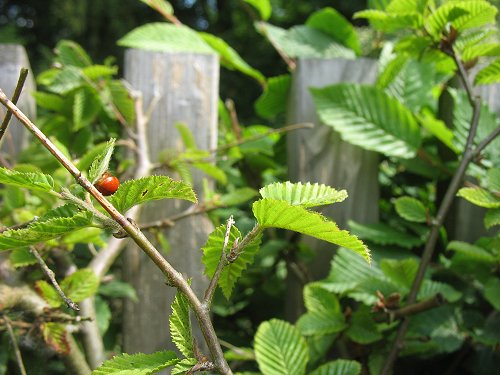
[17, 352]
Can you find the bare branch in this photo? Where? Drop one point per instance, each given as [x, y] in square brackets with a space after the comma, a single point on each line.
[17, 352]
[17, 93]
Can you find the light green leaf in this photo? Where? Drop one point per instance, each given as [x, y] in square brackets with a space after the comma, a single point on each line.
[85, 108]
[400, 272]
[66, 80]
[489, 75]
[430, 288]
[304, 42]
[317, 298]
[96, 72]
[305, 195]
[41, 231]
[280, 214]
[321, 323]
[471, 251]
[230, 59]
[165, 37]
[146, 189]
[263, 6]
[101, 161]
[212, 170]
[339, 367]
[493, 179]
[180, 325]
[280, 349]
[388, 22]
[103, 314]
[238, 196]
[80, 285]
[384, 235]
[21, 258]
[273, 100]
[71, 53]
[86, 160]
[28, 180]
[49, 101]
[85, 235]
[161, 6]
[186, 135]
[476, 50]
[492, 218]
[437, 128]
[343, 32]
[118, 289]
[122, 100]
[363, 329]
[137, 364]
[183, 366]
[367, 117]
[55, 335]
[48, 293]
[492, 292]
[480, 197]
[232, 271]
[411, 209]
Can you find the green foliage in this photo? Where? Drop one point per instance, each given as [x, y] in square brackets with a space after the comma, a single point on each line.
[180, 325]
[489, 75]
[338, 367]
[36, 181]
[305, 195]
[137, 364]
[263, 6]
[273, 100]
[101, 161]
[411, 209]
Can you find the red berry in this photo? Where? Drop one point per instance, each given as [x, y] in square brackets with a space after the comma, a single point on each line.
[107, 184]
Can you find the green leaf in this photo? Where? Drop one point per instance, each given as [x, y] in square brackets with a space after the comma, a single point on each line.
[80, 285]
[492, 292]
[305, 195]
[183, 366]
[489, 75]
[28, 180]
[317, 298]
[476, 50]
[238, 196]
[430, 288]
[180, 325]
[411, 209]
[103, 314]
[367, 117]
[96, 72]
[492, 218]
[321, 323]
[493, 179]
[480, 197]
[162, 6]
[280, 349]
[273, 100]
[280, 214]
[339, 367]
[232, 271]
[85, 108]
[41, 231]
[49, 101]
[165, 37]
[71, 53]
[363, 329]
[186, 135]
[343, 32]
[21, 258]
[118, 289]
[86, 160]
[137, 364]
[304, 42]
[84, 235]
[437, 128]
[212, 170]
[384, 235]
[263, 6]
[101, 161]
[66, 80]
[388, 22]
[55, 335]
[48, 293]
[146, 189]
[472, 252]
[400, 272]
[230, 59]
[122, 100]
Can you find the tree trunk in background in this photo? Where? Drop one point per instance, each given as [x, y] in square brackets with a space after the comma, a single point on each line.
[188, 89]
[12, 58]
[319, 155]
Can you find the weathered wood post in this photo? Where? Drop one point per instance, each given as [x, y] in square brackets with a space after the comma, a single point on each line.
[13, 57]
[187, 85]
[319, 155]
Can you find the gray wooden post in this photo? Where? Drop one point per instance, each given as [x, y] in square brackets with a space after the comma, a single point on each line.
[188, 89]
[12, 58]
[319, 155]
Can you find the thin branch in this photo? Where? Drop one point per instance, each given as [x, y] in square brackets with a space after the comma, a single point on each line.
[209, 293]
[486, 141]
[408, 310]
[19, 226]
[50, 274]
[17, 352]
[441, 214]
[17, 93]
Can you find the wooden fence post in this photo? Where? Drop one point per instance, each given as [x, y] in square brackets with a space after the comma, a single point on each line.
[187, 85]
[319, 155]
[13, 57]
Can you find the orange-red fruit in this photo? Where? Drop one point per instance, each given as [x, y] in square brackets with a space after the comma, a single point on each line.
[107, 184]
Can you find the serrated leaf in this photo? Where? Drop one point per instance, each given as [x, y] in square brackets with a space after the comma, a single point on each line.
[480, 197]
[43, 231]
[273, 100]
[492, 218]
[55, 335]
[180, 325]
[384, 235]
[317, 298]
[183, 366]
[28, 180]
[165, 37]
[118, 289]
[21, 258]
[122, 101]
[66, 80]
[212, 170]
[363, 329]
[71, 53]
[343, 32]
[411, 209]
[367, 117]
[437, 128]
[80, 284]
[232, 271]
[263, 6]
[48, 293]
[321, 323]
[95, 72]
[101, 161]
[339, 367]
[388, 22]
[430, 288]
[229, 58]
[137, 364]
[280, 349]
[146, 189]
[304, 42]
[400, 272]
[186, 135]
[471, 251]
[305, 195]
[86, 160]
[280, 214]
[489, 75]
